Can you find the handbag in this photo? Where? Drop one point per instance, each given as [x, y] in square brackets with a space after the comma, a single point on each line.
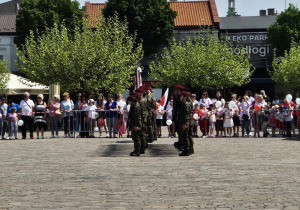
[245, 117]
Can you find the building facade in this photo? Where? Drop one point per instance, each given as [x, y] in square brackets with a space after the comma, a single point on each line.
[251, 34]
[7, 35]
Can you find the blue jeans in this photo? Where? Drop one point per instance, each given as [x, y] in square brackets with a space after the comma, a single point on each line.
[245, 123]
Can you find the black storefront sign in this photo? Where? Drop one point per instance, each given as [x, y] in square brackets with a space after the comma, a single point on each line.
[254, 43]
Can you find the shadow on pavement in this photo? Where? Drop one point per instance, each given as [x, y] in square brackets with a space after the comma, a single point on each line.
[123, 150]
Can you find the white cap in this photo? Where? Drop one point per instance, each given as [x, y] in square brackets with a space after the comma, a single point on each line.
[92, 100]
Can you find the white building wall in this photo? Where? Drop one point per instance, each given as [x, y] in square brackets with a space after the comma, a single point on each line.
[8, 52]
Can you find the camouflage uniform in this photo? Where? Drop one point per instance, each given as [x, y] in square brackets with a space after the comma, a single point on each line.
[135, 121]
[185, 119]
[144, 128]
[176, 116]
[151, 118]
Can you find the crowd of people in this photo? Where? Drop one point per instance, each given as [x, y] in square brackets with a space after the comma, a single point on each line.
[141, 117]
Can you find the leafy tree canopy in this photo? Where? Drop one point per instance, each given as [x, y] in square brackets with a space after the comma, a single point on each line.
[152, 20]
[36, 15]
[285, 30]
[104, 59]
[205, 62]
[4, 74]
[288, 69]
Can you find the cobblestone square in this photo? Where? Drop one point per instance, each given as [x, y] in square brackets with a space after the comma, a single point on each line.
[236, 173]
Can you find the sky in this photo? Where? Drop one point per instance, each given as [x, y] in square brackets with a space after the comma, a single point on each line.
[243, 7]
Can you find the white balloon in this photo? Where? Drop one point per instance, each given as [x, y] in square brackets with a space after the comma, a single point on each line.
[298, 101]
[96, 129]
[218, 104]
[289, 98]
[195, 116]
[20, 122]
[231, 104]
[169, 122]
[223, 101]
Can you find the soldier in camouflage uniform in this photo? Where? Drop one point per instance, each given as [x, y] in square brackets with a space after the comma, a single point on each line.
[191, 125]
[144, 116]
[176, 115]
[135, 125]
[184, 121]
[152, 135]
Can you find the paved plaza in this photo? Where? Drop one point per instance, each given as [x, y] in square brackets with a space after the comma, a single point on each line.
[236, 173]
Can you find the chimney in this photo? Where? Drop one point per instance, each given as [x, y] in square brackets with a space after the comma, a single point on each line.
[262, 12]
[271, 11]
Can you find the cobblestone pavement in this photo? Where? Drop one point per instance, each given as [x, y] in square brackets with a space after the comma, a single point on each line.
[236, 173]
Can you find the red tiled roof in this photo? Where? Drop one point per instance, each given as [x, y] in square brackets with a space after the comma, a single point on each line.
[8, 23]
[189, 13]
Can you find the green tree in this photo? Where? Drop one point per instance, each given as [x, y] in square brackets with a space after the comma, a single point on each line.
[285, 30]
[205, 62]
[36, 15]
[152, 20]
[4, 74]
[104, 59]
[288, 69]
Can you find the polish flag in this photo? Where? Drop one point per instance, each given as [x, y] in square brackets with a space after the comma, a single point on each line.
[138, 78]
[164, 99]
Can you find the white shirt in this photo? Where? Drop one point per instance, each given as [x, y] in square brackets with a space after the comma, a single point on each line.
[159, 115]
[92, 112]
[251, 99]
[121, 105]
[195, 102]
[26, 107]
[205, 101]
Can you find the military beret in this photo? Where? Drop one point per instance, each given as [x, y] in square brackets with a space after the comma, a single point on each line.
[141, 89]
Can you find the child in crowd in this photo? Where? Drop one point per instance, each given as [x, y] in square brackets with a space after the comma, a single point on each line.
[91, 108]
[272, 119]
[228, 121]
[159, 118]
[195, 111]
[265, 119]
[13, 123]
[219, 121]
[212, 119]
[171, 128]
[203, 121]
[280, 118]
[288, 117]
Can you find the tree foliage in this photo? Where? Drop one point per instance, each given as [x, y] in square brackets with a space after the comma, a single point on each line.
[37, 15]
[104, 59]
[205, 62]
[288, 69]
[4, 74]
[152, 20]
[285, 30]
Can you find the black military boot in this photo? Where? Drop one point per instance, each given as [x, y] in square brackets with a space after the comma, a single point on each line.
[142, 151]
[177, 145]
[184, 153]
[135, 153]
[191, 151]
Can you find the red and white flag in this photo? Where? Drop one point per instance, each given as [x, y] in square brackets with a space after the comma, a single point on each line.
[164, 99]
[138, 78]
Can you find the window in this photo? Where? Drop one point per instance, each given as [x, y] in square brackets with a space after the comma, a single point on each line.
[1, 57]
